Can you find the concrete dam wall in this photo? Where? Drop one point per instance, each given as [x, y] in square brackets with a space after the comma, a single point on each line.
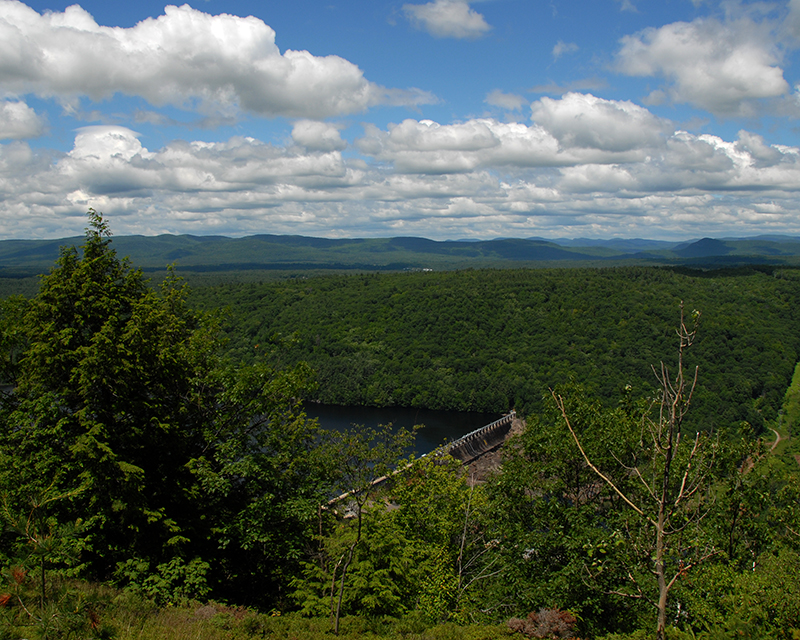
[478, 442]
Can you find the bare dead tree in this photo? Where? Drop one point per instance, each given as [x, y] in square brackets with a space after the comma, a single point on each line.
[671, 473]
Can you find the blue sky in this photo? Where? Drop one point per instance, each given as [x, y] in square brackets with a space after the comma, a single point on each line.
[445, 119]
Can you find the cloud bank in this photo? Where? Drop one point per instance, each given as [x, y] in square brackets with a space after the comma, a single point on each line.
[184, 58]
[580, 166]
[720, 67]
[18, 121]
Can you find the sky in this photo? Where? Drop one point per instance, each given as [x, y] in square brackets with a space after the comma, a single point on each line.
[448, 119]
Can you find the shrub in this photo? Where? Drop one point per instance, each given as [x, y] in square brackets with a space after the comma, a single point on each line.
[547, 623]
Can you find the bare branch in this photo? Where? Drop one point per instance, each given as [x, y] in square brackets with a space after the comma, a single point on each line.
[688, 468]
[560, 404]
[646, 486]
[641, 595]
[482, 575]
[685, 568]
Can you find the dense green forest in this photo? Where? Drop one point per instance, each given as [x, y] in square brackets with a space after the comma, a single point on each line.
[492, 340]
[159, 478]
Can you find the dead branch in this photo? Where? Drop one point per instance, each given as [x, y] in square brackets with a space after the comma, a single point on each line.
[560, 404]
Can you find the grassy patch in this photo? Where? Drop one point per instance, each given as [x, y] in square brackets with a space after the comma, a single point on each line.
[788, 423]
[110, 614]
[791, 406]
[218, 622]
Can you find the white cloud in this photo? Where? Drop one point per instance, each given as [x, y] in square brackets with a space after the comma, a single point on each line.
[427, 147]
[562, 47]
[183, 57]
[576, 129]
[585, 121]
[586, 166]
[18, 121]
[448, 19]
[791, 24]
[720, 67]
[317, 136]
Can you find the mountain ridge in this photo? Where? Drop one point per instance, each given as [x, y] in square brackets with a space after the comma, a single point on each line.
[268, 252]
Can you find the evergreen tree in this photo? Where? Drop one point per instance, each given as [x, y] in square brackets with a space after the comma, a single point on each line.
[188, 473]
[107, 400]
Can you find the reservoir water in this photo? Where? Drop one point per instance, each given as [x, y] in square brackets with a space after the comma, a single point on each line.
[440, 426]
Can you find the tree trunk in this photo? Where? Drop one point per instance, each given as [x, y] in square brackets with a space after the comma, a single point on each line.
[344, 569]
[663, 588]
[341, 587]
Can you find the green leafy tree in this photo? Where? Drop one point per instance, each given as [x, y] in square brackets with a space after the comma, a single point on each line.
[561, 532]
[109, 397]
[265, 470]
[421, 546]
[194, 473]
[443, 513]
[12, 337]
[35, 591]
[354, 550]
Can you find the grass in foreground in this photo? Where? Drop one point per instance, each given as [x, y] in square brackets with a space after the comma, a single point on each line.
[91, 611]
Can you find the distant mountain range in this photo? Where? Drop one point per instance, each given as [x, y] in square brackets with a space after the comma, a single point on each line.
[198, 254]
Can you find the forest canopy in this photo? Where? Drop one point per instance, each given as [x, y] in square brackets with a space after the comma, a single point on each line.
[163, 452]
[494, 340]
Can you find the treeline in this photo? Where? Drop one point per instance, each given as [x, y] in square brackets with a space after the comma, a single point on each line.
[493, 340]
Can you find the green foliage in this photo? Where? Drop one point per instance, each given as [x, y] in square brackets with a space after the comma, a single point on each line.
[584, 546]
[133, 451]
[34, 590]
[445, 513]
[172, 582]
[565, 536]
[791, 406]
[192, 474]
[426, 551]
[762, 601]
[106, 398]
[491, 340]
[40, 541]
[381, 579]
[12, 336]
[67, 613]
[263, 474]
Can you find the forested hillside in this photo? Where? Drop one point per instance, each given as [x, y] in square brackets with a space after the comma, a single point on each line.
[160, 481]
[491, 340]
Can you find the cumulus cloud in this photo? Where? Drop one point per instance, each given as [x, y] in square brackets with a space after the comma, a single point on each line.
[184, 57]
[585, 121]
[317, 136]
[792, 22]
[576, 129]
[720, 67]
[106, 158]
[18, 121]
[427, 147]
[584, 166]
[448, 19]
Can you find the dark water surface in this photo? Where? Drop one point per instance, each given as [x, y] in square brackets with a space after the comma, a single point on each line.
[440, 426]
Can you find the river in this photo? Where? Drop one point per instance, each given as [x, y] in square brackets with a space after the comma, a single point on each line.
[440, 426]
